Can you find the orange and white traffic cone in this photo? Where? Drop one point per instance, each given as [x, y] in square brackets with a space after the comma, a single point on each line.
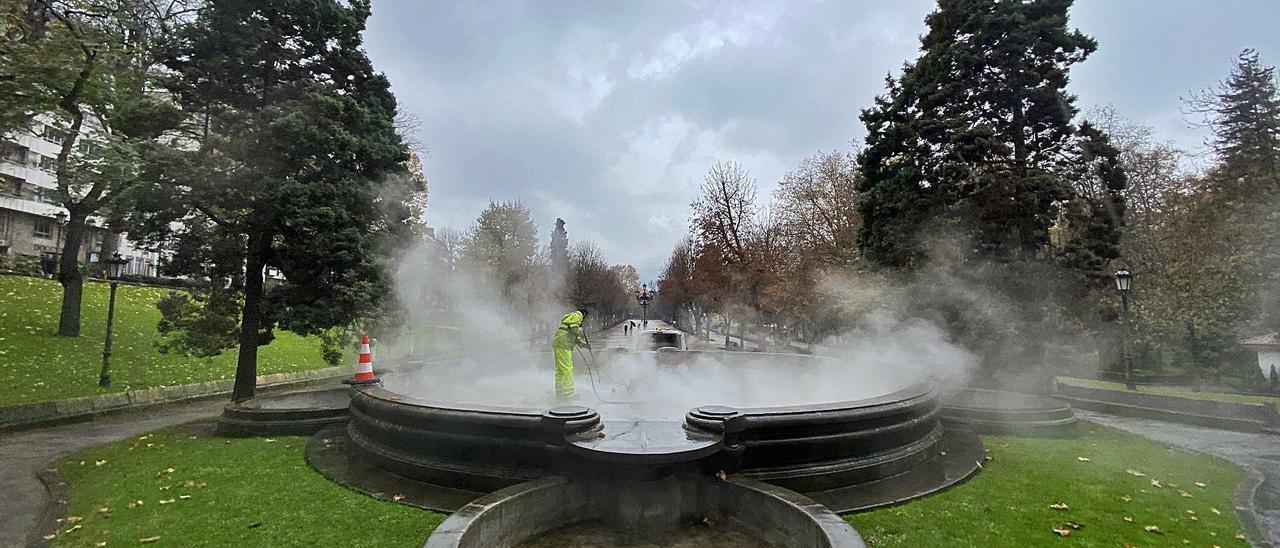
[364, 367]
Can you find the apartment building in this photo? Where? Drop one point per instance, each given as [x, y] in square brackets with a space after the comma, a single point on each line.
[31, 221]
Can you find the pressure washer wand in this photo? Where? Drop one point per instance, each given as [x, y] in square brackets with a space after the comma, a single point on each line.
[591, 374]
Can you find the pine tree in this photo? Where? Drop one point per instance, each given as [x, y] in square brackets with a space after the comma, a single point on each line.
[559, 254]
[973, 131]
[1091, 229]
[1244, 113]
[1243, 190]
[294, 164]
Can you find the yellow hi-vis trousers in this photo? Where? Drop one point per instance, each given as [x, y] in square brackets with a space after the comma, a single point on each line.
[564, 371]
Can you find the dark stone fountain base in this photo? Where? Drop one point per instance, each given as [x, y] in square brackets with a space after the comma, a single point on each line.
[1000, 412]
[291, 414]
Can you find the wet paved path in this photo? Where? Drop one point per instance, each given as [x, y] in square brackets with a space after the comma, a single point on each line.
[25, 454]
[1257, 453]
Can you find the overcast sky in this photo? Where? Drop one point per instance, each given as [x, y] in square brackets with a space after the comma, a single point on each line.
[607, 114]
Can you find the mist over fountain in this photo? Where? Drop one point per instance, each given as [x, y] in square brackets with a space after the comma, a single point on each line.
[655, 441]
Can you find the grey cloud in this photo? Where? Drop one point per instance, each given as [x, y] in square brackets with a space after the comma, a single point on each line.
[608, 113]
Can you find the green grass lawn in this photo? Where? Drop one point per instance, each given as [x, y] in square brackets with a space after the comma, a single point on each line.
[1177, 391]
[1010, 502]
[206, 491]
[254, 492]
[36, 365]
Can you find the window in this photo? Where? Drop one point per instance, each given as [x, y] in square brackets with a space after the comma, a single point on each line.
[14, 152]
[47, 195]
[86, 147]
[42, 228]
[54, 135]
[48, 163]
[11, 186]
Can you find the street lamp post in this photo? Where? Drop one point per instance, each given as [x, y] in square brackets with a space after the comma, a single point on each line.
[115, 267]
[644, 297]
[1124, 282]
[61, 218]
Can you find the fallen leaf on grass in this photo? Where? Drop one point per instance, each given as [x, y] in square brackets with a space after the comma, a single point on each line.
[103, 510]
[1126, 498]
[1073, 525]
[1190, 511]
[100, 543]
[255, 525]
[50, 536]
[1152, 529]
[1184, 493]
[74, 528]
[149, 540]
[397, 498]
[1061, 532]
[1240, 536]
[1129, 519]
[184, 497]
[167, 501]
[1156, 483]
[1133, 472]
[1082, 459]
[99, 462]
[1058, 506]
[1193, 518]
[269, 440]
[1200, 484]
[1214, 510]
[74, 519]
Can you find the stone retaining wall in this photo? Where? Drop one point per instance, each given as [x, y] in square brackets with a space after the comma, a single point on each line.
[17, 417]
[1244, 417]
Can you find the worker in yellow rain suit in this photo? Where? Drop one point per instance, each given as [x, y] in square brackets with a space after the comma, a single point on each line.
[568, 335]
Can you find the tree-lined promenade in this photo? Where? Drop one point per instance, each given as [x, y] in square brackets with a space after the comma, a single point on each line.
[985, 201]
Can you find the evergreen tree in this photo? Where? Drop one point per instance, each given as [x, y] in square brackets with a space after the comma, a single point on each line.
[559, 255]
[1244, 113]
[293, 163]
[1090, 231]
[1241, 201]
[503, 246]
[973, 131]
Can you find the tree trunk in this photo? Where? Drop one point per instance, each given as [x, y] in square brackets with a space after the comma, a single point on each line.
[110, 245]
[69, 274]
[250, 319]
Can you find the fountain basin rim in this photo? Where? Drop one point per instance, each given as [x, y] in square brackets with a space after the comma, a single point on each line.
[903, 396]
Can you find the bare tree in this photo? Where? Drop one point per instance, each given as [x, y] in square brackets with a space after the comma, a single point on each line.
[816, 207]
[593, 284]
[724, 213]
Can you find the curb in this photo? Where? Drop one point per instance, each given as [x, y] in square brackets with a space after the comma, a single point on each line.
[33, 415]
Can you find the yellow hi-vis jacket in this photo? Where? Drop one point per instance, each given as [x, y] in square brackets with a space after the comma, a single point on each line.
[570, 332]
